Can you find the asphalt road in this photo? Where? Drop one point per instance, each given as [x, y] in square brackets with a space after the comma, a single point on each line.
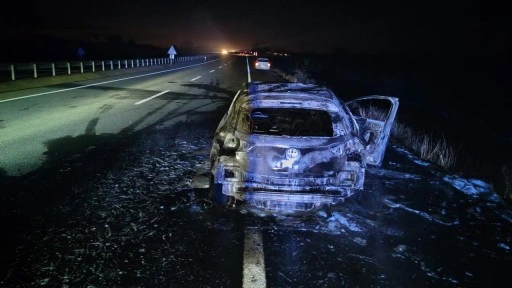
[104, 185]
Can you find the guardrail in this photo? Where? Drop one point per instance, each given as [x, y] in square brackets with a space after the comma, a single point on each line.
[11, 72]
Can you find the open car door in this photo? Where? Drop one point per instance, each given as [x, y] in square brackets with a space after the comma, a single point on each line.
[375, 116]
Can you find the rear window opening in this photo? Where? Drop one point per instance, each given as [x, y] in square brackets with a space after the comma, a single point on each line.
[287, 121]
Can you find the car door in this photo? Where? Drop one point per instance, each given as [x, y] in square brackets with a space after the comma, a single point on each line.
[375, 115]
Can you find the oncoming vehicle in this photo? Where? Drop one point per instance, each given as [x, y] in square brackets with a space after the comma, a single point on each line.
[291, 147]
[262, 64]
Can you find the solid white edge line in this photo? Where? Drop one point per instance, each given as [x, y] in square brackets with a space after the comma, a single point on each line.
[254, 260]
[196, 78]
[248, 69]
[154, 96]
[96, 84]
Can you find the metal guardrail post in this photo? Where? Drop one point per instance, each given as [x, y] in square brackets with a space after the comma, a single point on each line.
[128, 63]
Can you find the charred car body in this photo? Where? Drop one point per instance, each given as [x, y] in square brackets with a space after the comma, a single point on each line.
[295, 147]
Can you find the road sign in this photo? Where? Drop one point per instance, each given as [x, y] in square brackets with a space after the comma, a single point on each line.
[172, 52]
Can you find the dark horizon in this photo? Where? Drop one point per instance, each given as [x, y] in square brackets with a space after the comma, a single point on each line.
[358, 27]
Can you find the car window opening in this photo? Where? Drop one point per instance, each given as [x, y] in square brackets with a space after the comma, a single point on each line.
[291, 122]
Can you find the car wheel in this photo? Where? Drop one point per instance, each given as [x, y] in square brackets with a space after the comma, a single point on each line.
[215, 193]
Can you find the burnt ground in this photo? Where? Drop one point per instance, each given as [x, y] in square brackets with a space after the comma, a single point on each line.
[85, 209]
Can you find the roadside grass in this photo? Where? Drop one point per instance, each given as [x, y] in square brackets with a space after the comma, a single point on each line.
[427, 147]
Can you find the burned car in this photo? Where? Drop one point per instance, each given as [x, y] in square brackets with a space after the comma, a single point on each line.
[296, 147]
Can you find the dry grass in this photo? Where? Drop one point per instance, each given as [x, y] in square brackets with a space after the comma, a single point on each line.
[302, 76]
[428, 148]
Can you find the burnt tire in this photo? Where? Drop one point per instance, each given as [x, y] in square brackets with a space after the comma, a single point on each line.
[215, 193]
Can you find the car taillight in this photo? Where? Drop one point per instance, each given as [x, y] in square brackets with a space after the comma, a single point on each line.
[231, 142]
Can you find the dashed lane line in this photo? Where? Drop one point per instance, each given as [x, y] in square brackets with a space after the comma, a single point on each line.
[254, 260]
[154, 96]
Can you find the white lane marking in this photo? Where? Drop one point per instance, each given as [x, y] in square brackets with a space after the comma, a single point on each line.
[96, 84]
[154, 96]
[248, 69]
[196, 78]
[254, 260]
[212, 71]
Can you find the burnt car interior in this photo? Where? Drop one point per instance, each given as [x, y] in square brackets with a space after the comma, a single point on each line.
[288, 121]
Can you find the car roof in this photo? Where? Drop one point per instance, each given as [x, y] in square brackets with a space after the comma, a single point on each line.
[289, 89]
[299, 95]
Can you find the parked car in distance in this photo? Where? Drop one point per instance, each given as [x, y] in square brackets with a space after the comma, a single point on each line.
[262, 64]
[291, 147]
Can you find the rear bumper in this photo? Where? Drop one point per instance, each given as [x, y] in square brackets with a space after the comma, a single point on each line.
[290, 202]
[257, 192]
[291, 191]
[295, 197]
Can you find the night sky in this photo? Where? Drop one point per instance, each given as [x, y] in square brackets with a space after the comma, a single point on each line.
[363, 26]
